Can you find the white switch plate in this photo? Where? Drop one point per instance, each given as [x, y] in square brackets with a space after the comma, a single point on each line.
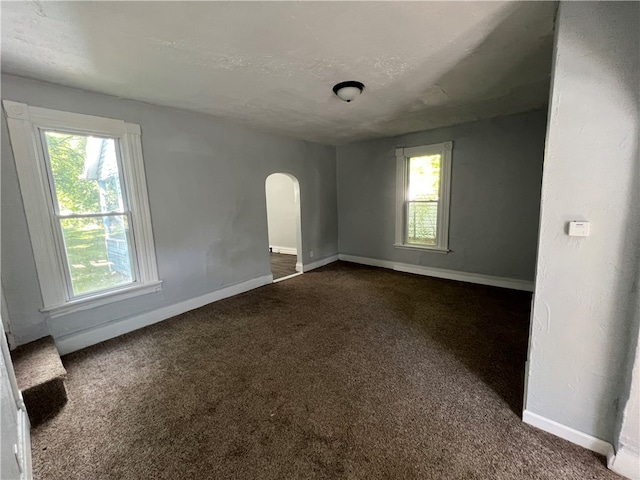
[579, 229]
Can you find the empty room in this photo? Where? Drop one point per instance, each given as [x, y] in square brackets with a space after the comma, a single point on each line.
[320, 240]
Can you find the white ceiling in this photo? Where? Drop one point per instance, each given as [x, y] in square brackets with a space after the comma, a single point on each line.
[272, 65]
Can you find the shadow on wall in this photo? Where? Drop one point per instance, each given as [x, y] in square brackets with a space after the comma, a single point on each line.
[624, 306]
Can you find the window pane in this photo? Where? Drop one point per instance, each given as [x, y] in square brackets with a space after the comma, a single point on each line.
[422, 222]
[97, 251]
[85, 173]
[424, 178]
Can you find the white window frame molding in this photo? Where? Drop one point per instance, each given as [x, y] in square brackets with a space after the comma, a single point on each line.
[403, 154]
[25, 123]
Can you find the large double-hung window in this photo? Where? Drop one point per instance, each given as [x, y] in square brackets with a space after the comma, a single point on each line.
[423, 179]
[84, 192]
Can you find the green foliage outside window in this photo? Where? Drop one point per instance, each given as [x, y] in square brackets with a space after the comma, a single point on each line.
[67, 155]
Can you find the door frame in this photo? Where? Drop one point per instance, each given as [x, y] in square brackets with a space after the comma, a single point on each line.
[297, 219]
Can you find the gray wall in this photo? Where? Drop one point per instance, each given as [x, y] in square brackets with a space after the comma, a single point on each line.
[627, 432]
[496, 175]
[281, 211]
[206, 190]
[583, 322]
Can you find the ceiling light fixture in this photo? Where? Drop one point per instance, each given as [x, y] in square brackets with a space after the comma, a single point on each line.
[348, 91]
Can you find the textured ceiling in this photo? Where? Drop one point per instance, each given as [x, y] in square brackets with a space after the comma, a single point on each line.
[272, 65]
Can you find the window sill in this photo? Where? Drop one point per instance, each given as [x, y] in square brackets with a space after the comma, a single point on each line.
[424, 249]
[102, 299]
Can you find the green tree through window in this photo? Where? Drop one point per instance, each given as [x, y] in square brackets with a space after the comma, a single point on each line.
[67, 156]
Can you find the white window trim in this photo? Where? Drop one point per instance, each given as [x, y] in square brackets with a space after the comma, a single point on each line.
[24, 123]
[402, 156]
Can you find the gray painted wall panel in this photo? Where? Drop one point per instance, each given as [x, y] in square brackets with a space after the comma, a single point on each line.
[496, 177]
[584, 327]
[206, 183]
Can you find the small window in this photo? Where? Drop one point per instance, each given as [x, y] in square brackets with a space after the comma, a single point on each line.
[84, 191]
[423, 185]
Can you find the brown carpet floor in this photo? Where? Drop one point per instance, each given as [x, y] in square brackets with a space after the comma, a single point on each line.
[40, 376]
[346, 372]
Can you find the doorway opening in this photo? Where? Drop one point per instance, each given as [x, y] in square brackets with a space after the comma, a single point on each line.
[283, 223]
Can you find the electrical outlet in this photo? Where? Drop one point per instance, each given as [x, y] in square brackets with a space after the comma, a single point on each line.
[311, 254]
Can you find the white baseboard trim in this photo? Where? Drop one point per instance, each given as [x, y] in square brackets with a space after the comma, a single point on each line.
[297, 274]
[372, 262]
[478, 278]
[85, 338]
[320, 263]
[299, 267]
[625, 462]
[24, 434]
[574, 436]
[284, 250]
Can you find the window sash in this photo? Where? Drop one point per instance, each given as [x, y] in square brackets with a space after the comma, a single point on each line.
[408, 201]
[43, 147]
[407, 238]
[409, 181]
[60, 239]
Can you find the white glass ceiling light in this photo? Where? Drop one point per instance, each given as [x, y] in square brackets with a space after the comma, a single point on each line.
[348, 91]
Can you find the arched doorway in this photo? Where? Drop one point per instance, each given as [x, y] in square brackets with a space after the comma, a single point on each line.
[282, 192]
